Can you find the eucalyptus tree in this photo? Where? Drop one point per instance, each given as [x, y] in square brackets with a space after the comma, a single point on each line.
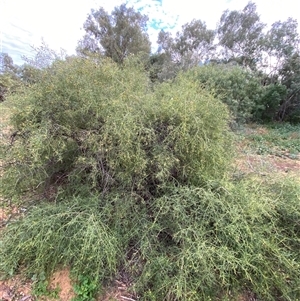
[115, 35]
[241, 36]
[191, 46]
[283, 54]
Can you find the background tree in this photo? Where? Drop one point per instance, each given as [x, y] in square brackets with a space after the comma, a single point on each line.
[43, 56]
[117, 35]
[195, 43]
[7, 64]
[191, 46]
[290, 78]
[8, 75]
[241, 36]
[282, 41]
[283, 68]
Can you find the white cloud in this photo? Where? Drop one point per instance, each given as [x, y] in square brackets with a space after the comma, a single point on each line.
[58, 22]
[208, 11]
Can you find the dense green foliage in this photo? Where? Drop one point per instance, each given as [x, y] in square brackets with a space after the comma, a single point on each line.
[238, 88]
[139, 178]
[121, 161]
[73, 233]
[191, 243]
[97, 126]
[224, 239]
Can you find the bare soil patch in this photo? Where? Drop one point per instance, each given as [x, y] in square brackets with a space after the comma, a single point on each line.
[61, 280]
[267, 164]
[16, 288]
[20, 289]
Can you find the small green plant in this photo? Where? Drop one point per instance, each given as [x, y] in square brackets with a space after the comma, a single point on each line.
[41, 287]
[85, 288]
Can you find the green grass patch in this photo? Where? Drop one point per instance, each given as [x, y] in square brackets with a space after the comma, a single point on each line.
[40, 287]
[280, 139]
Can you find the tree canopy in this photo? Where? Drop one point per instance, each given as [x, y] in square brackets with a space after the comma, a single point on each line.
[115, 35]
[240, 38]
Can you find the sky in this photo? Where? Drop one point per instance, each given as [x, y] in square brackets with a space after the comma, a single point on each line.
[25, 23]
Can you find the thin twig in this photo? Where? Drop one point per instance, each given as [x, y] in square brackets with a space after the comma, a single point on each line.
[128, 299]
[25, 298]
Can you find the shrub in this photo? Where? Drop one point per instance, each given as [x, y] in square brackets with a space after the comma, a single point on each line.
[205, 243]
[191, 243]
[69, 234]
[93, 126]
[140, 187]
[268, 106]
[235, 86]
